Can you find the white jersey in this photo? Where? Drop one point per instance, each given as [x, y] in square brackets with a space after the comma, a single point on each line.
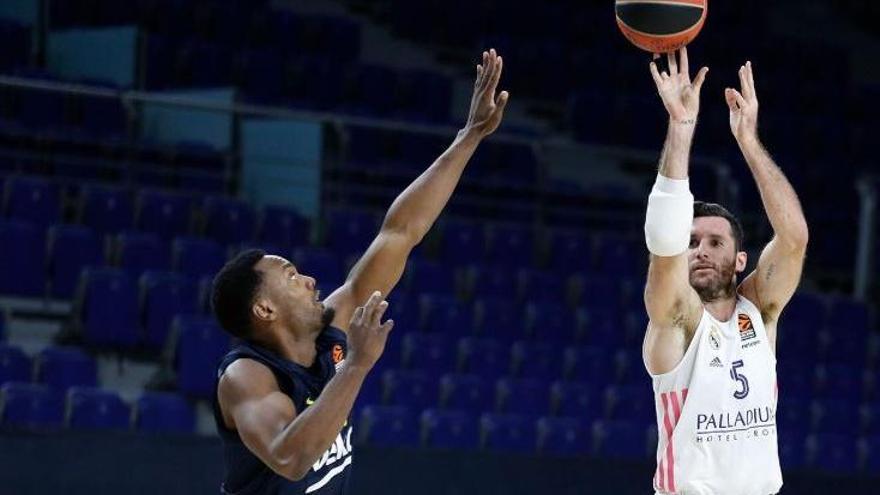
[716, 411]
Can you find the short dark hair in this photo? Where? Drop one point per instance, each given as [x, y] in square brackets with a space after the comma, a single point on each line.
[233, 292]
[702, 209]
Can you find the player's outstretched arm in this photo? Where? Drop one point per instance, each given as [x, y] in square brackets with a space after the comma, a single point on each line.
[673, 306]
[779, 268]
[414, 211]
[266, 418]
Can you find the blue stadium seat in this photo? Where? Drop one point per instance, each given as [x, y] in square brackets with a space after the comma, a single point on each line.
[195, 257]
[388, 426]
[139, 252]
[489, 358]
[15, 366]
[71, 248]
[577, 400]
[31, 406]
[871, 417]
[832, 453]
[529, 397]
[164, 412]
[351, 232]
[792, 450]
[108, 308]
[447, 315]
[228, 221]
[552, 322]
[429, 277]
[499, 318]
[106, 210]
[511, 246]
[541, 286]
[588, 364]
[33, 199]
[794, 416]
[494, 281]
[508, 433]
[630, 403]
[793, 381]
[164, 214]
[164, 295]
[620, 439]
[563, 436]
[849, 315]
[200, 345]
[836, 416]
[539, 360]
[463, 242]
[284, 227]
[432, 352]
[471, 393]
[872, 454]
[414, 389]
[96, 409]
[568, 251]
[22, 259]
[65, 367]
[449, 430]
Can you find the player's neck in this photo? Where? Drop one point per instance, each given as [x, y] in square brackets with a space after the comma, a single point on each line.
[721, 309]
[292, 346]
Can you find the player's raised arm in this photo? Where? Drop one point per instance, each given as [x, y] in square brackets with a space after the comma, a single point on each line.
[669, 299]
[779, 268]
[414, 211]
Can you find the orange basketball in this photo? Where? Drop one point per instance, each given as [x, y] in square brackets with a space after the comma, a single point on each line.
[661, 26]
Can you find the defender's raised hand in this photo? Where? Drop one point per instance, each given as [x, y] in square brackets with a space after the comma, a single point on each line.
[366, 333]
[743, 106]
[487, 109]
[680, 96]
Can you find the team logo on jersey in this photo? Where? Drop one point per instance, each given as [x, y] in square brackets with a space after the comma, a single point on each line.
[746, 329]
[714, 338]
[716, 363]
[338, 354]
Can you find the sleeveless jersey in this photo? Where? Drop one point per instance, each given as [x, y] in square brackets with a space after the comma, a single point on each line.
[245, 472]
[716, 411]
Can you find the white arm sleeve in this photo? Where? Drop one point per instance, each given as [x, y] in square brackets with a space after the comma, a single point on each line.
[669, 218]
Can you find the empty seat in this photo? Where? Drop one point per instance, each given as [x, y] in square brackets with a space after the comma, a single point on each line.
[15, 366]
[106, 210]
[432, 352]
[139, 252]
[31, 406]
[620, 439]
[108, 308]
[284, 227]
[446, 315]
[33, 199]
[563, 436]
[511, 246]
[164, 412]
[462, 242]
[471, 393]
[414, 389]
[539, 360]
[323, 265]
[196, 258]
[449, 430]
[388, 426]
[164, 214]
[65, 367]
[96, 409]
[199, 346]
[22, 259]
[530, 397]
[508, 432]
[485, 357]
[832, 453]
[568, 251]
[577, 400]
[228, 221]
[164, 295]
[71, 248]
[350, 232]
[428, 277]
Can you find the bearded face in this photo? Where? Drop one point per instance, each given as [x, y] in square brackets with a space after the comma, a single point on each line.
[713, 259]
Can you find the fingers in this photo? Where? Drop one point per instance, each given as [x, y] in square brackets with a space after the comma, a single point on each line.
[700, 79]
[673, 64]
[479, 78]
[496, 75]
[357, 316]
[501, 104]
[685, 66]
[751, 79]
[376, 317]
[735, 100]
[655, 73]
[387, 326]
[490, 67]
[370, 306]
[744, 83]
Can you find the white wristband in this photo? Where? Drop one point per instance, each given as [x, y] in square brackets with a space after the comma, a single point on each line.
[669, 217]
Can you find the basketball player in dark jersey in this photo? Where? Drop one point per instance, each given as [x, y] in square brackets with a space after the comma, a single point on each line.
[284, 395]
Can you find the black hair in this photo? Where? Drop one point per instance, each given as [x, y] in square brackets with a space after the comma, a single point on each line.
[233, 292]
[702, 209]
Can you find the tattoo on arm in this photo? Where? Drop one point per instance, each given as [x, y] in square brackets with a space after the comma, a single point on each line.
[770, 271]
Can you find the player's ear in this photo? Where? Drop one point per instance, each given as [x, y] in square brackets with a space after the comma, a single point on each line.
[742, 259]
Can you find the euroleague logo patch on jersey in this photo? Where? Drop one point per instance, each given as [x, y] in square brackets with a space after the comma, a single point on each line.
[338, 354]
[746, 328]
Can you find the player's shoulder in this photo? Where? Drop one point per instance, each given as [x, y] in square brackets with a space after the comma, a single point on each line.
[245, 377]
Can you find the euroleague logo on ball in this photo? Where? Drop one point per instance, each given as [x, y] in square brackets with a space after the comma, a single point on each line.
[660, 26]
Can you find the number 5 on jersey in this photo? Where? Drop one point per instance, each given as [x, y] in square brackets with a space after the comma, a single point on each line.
[735, 375]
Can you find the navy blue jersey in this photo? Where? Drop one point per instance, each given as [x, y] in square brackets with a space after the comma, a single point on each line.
[245, 473]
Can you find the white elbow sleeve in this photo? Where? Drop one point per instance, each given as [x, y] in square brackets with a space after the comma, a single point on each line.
[669, 218]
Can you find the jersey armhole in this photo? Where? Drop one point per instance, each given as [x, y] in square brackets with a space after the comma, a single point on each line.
[690, 350]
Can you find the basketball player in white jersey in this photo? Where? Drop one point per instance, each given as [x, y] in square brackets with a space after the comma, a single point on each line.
[711, 341]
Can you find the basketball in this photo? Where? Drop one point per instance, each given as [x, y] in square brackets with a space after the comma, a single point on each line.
[660, 26]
